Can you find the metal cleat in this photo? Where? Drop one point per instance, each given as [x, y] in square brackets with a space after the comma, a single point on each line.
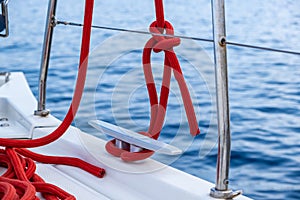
[133, 142]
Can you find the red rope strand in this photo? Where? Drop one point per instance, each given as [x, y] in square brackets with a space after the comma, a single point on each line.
[20, 180]
[85, 45]
[159, 11]
[70, 161]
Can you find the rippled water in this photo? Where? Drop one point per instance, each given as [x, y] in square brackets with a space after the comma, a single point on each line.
[264, 86]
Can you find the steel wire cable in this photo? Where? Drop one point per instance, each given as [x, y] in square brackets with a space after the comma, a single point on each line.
[184, 37]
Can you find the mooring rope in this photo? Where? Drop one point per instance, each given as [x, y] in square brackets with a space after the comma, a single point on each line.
[158, 43]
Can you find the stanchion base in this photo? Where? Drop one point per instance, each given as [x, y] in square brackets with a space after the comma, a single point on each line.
[42, 113]
[224, 194]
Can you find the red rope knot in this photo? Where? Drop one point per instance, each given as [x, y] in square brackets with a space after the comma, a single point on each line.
[167, 42]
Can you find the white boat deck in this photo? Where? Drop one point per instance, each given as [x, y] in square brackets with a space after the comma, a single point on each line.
[147, 179]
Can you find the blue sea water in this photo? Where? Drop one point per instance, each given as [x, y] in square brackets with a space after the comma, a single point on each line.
[264, 86]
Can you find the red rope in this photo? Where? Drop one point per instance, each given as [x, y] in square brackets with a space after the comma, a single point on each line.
[85, 45]
[75, 162]
[158, 108]
[20, 180]
[159, 11]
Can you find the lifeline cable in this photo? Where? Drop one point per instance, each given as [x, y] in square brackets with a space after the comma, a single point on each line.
[20, 181]
[158, 108]
[238, 44]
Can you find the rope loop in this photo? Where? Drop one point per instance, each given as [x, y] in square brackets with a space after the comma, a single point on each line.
[158, 43]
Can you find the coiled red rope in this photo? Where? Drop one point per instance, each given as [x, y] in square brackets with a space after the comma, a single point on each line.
[20, 181]
[158, 108]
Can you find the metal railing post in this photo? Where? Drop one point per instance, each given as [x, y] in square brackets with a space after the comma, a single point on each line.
[50, 24]
[220, 57]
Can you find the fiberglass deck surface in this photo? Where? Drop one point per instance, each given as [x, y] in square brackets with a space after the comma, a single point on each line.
[145, 180]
